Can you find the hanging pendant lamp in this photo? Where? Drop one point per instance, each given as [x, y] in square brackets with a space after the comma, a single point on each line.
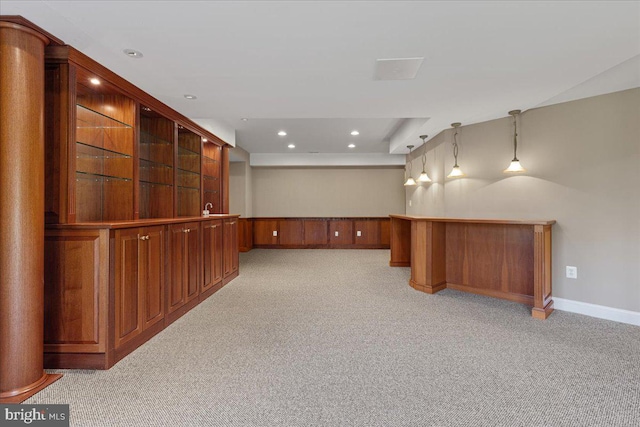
[423, 176]
[410, 181]
[456, 172]
[515, 166]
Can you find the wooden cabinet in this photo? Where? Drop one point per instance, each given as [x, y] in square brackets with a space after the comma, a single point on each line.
[315, 232]
[114, 153]
[291, 232]
[156, 152]
[212, 256]
[341, 232]
[231, 260]
[265, 232]
[184, 263]
[211, 171]
[139, 281]
[321, 233]
[245, 234]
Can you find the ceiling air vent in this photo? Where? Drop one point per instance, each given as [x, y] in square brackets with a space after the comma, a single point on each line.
[397, 68]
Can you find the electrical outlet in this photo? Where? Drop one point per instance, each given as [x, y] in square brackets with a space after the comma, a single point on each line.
[275, 233]
[572, 272]
[359, 233]
[409, 203]
[337, 234]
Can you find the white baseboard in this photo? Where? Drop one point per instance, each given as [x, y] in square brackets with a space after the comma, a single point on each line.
[599, 311]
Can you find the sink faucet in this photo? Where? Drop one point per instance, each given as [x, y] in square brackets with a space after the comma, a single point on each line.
[206, 211]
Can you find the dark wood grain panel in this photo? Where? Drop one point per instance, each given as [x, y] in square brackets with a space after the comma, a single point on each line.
[72, 288]
[486, 252]
[369, 232]
[192, 263]
[211, 254]
[457, 266]
[230, 241]
[517, 266]
[263, 232]
[400, 242]
[315, 232]
[291, 232]
[245, 234]
[176, 294]
[151, 271]
[344, 230]
[128, 319]
[385, 232]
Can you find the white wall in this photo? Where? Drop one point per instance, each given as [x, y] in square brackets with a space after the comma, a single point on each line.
[240, 190]
[583, 161]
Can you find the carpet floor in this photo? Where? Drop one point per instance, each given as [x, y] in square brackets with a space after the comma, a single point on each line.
[338, 338]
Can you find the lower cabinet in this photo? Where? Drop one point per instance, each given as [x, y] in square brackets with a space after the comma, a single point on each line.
[139, 281]
[109, 288]
[212, 256]
[321, 233]
[184, 265]
[231, 260]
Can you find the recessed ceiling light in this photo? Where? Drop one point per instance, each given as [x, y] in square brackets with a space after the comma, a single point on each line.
[352, 145]
[146, 108]
[133, 53]
[244, 119]
[291, 146]
[94, 81]
[190, 96]
[282, 133]
[204, 139]
[355, 133]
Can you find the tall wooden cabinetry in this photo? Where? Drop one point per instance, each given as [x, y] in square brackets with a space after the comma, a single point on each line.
[128, 250]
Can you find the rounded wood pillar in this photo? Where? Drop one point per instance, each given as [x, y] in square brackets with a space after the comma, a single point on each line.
[21, 212]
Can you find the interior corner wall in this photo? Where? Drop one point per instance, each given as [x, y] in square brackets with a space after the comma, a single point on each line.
[327, 192]
[583, 170]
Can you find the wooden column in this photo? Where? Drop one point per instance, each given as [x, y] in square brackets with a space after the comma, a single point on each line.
[400, 243]
[542, 301]
[21, 213]
[225, 179]
[428, 264]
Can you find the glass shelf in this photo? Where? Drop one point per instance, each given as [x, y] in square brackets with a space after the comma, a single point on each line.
[99, 177]
[151, 139]
[86, 151]
[186, 152]
[153, 184]
[87, 118]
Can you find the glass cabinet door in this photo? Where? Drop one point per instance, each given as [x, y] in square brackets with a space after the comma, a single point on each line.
[156, 165]
[188, 173]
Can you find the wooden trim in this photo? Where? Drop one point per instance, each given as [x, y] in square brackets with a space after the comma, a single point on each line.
[19, 20]
[75, 361]
[474, 220]
[65, 53]
[522, 299]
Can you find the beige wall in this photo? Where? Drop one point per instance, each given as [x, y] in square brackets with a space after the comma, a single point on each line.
[304, 192]
[583, 161]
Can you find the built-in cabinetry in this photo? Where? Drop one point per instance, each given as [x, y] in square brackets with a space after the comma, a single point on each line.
[127, 248]
[341, 233]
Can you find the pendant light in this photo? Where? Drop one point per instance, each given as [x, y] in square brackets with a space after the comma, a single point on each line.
[456, 172]
[410, 181]
[423, 176]
[515, 166]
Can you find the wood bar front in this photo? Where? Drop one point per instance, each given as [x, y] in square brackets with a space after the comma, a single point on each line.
[506, 259]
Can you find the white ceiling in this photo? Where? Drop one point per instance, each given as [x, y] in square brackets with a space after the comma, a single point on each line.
[308, 67]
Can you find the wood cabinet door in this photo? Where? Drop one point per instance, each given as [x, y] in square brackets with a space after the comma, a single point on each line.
[291, 232]
[344, 231]
[369, 231]
[128, 316]
[315, 232]
[212, 253]
[263, 230]
[176, 295]
[192, 260]
[230, 247]
[151, 274]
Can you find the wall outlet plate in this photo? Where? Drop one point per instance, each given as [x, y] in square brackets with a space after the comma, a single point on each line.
[572, 272]
[359, 233]
[275, 233]
[337, 234]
